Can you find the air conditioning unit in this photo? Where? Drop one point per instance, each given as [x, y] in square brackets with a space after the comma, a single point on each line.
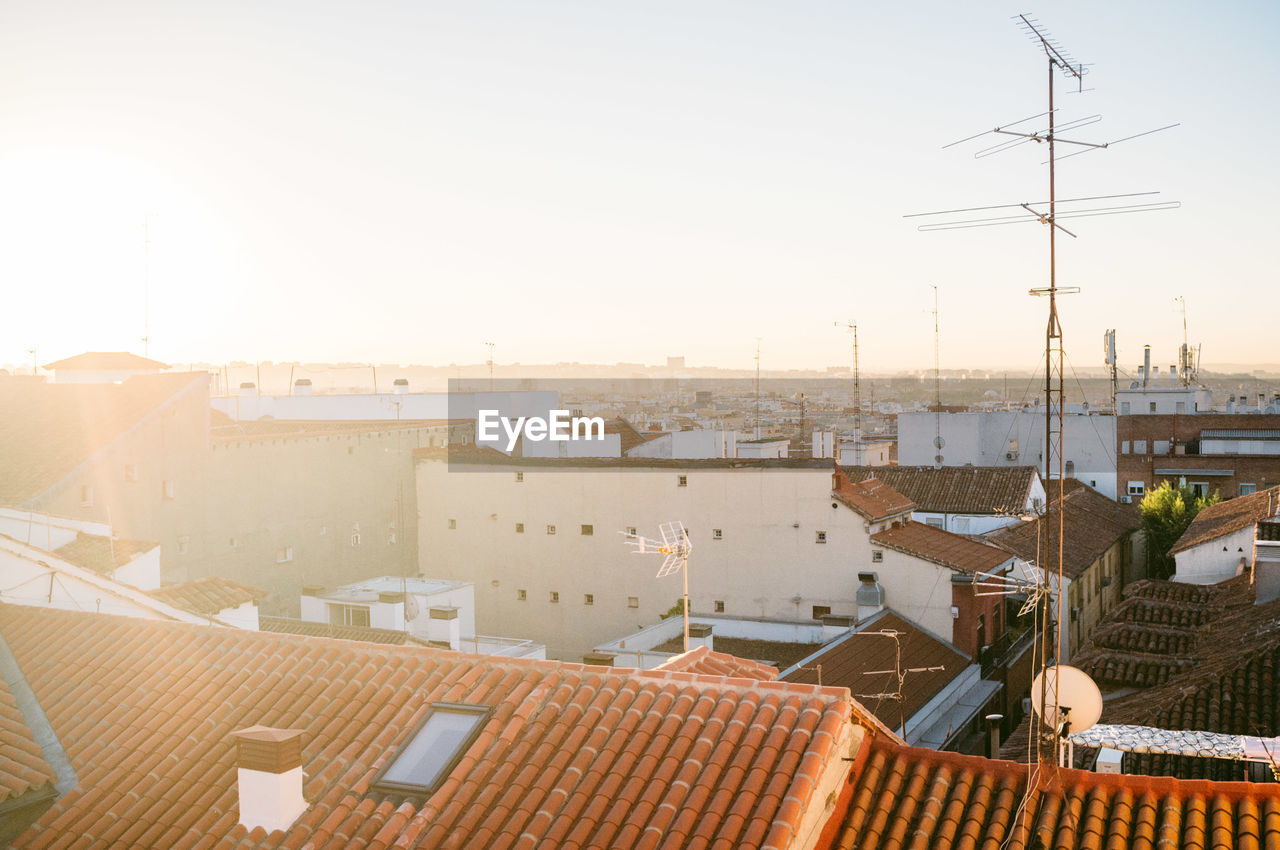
[1075, 614]
[1124, 499]
[1010, 455]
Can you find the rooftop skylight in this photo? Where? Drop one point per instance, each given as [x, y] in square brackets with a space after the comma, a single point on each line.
[432, 749]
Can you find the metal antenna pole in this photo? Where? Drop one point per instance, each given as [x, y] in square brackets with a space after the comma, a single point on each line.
[491, 346]
[938, 442]
[757, 388]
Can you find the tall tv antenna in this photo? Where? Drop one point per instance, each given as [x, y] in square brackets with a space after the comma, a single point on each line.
[675, 545]
[491, 346]
[857, 392]
[1058, 61]
[899, 673]
[1188, 359]
[938, 442]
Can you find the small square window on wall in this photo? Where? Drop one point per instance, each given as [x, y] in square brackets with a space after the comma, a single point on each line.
[588, 599]
[631, 530]
[719, 606]
[166, 489]
[555, 596]
[717, 534]
[877, 556]
[521, 595]
[519, 528]
[551, 529]
[453, 524]
[820, 537]
[682, 481]
[633, 601]
[284, 554]
[519, 477]
[86, 496]
[820, 611]
[588, 530]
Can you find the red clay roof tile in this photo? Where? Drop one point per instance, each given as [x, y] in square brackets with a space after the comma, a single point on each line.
[941, 547]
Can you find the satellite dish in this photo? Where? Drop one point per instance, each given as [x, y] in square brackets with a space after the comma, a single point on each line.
[939, 442]
[411, 609]
[1079, 701]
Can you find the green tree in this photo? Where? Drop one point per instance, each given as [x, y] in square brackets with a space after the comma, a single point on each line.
[1166, 512]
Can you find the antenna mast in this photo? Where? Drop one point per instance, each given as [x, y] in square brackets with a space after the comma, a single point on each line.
[491, 346]
[675, 545]
[938, 442]
[757, 388]
[1047, 213]
[857, 392]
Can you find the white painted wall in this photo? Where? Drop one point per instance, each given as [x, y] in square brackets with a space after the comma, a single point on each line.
[983, 439]
[770, 449]
[766, 564]
[46, 531]
[245, 616]
[1214, 560]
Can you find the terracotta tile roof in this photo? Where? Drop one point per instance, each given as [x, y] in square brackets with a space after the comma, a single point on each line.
[105, 361]
[1226, 517]
[704, 661]
[956, 489]
[871, 497]
[904, 797]
[941, 547]
[1093, 524]
[627, 433]
[103, 554]
[365, 634]
[573, 756]
[207, 596]
[47, 430]
[846, 662]
[22, 765]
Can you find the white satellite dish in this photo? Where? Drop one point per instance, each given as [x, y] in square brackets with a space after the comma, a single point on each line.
[1079, 702]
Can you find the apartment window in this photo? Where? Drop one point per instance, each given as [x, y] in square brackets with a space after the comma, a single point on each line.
[130, 472]
[284, 554]
[631, 531]
[1139, 447]
[519, 477]
[682, 481]
[1070, 468]
[453, 524]
[820, 611]
[877, 556]
[392, 537]
[1246, 489]
[1180, 407]
[1137, 488]
[86, 496]
[234, 543]
[633, 601]
[521, 595]
[1200, 488]
[183, 541]
[588, 599]
[348, 615]
[1124, 447]
[719, 606]
[355, 538]
[519, 528]
[820, 537]
[166, 489]
[324, 530]
[555, 596]
[717, 534]
[1124, 408]
[1151, 407]
[934, 521]
[551, 529]
[1160, 447]
[588, 530]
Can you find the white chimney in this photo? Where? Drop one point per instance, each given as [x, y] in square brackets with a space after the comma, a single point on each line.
[269, 777]
[834, 625]
[870, 595]
[248, 389]
[1146, 364]
[443, 627]
[700, 635]
[302, 386]
[1173, 374]
[400, 386]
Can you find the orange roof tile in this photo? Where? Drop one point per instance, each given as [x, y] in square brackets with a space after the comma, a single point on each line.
[941, 547]
[573, 756]
[871, 497]
[47, 430]
[366, 634]
[1093, 524]
[22, 765]
[103, 554]
[207, 596]
[899, 797]
[956, 489]
[704, 661]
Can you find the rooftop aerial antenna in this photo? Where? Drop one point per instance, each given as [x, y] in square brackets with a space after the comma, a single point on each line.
[857, 392]
[491, 346]
[899, 673]
[1109, 357]
[1059, 62]
[1187, 360]
[675, 546]
[938, 442]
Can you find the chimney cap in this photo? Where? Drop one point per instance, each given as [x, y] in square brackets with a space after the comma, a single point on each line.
[700, 630]
[266, 734]
[390, 596]
[267, 749]
[443, 612]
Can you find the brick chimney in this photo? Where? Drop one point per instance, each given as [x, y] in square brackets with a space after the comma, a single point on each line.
[269, 777]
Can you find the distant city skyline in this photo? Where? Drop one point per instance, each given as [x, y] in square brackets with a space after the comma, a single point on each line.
[604, 183]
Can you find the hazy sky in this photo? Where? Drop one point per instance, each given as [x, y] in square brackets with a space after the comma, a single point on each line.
[605, 181]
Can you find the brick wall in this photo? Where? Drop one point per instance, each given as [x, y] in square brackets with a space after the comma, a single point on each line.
[1260, 470]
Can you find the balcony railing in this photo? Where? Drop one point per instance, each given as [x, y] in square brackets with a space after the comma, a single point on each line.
[1269, 531]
